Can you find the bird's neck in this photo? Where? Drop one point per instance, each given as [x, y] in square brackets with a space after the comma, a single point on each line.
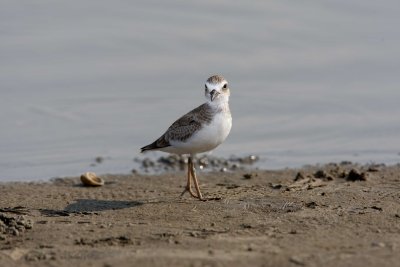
[220, 105]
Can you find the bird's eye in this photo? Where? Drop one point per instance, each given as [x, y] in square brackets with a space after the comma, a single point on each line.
[205, 88]
[225, 86]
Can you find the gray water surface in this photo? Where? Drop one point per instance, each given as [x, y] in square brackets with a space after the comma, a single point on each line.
[311, 81]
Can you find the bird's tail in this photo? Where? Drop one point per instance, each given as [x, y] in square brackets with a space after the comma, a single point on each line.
[159, 143]
[146, 148]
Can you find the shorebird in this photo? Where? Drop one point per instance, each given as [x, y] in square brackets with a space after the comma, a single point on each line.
[200, 130]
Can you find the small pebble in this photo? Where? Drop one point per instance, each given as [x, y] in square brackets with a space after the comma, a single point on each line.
[276, 186]
[99, 160]
[299, 176]
[296, 260]
[247, 176]
[378, 244]
[311, 205]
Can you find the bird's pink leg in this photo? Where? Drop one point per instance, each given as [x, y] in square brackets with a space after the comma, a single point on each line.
[189, 184]
[196, 183]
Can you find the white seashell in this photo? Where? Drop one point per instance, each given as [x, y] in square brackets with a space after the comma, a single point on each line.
[91, 179]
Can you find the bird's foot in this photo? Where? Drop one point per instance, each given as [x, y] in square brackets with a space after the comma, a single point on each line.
[189, 189]
[210, 198]
[201, 198]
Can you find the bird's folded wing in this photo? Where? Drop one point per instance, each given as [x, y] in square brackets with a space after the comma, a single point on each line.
[183, 128]
[189, 123]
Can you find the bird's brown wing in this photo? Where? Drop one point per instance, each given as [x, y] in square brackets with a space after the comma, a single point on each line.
[184, 127]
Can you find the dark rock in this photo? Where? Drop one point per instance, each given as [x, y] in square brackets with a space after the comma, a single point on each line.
[300, 176]
[246, 226]
[377, 208]
[323, 175]
[99, 159]
[355, 175]
[248, 176]
[311, 205]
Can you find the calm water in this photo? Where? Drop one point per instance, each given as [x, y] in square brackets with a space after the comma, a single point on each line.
[311, 81]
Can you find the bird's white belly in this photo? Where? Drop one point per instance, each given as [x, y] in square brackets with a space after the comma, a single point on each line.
[207, 138]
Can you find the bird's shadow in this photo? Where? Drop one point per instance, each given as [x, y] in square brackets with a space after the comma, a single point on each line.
[91, 205]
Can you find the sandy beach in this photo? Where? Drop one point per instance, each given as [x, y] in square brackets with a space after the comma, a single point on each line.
[85, 86]
[331, 215]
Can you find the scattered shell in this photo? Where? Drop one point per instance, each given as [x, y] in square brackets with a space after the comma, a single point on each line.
[91, 179]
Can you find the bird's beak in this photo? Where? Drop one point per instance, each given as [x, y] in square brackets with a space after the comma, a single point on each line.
[213, 94]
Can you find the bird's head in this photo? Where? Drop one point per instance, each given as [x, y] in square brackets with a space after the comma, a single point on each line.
[216, 89]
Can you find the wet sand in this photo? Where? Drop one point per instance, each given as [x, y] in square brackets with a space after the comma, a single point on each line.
[331, 215]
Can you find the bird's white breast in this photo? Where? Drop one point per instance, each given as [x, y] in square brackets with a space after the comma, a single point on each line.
[208, 137]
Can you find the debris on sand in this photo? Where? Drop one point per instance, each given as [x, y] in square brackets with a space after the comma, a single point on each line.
[110, 241]
[13, 225]
[330, 172]
[305, 183]
[275, 185]
[16, 210]
[205, 162]
[321, 174]
[248, 176]
[311, 205]
[355, 175]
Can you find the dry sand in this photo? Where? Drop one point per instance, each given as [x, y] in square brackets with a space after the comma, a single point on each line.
[264, 218]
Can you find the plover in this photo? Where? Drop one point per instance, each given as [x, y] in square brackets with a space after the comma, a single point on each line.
[200, 130]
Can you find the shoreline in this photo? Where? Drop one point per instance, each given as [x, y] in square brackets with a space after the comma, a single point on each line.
[109, 165]
[330, 215]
